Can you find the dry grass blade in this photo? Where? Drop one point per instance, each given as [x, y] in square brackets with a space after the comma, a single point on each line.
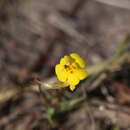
[7, 94]
[119, 3]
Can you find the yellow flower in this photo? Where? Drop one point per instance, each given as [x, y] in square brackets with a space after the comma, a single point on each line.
[71, 70]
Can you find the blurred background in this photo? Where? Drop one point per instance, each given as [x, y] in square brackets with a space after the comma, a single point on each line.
[35, 34]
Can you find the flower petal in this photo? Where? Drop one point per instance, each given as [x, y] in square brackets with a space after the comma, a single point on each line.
[66, 60]
[78, 59]
[72, 80]
[81, 74]
[61, 73]
[72, 87]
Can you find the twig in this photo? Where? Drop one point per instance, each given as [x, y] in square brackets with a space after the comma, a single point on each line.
[110, 106]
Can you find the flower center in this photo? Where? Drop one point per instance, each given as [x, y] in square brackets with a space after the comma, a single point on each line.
[71, 68]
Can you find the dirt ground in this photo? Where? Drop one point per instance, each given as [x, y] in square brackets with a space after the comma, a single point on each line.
[34, 35]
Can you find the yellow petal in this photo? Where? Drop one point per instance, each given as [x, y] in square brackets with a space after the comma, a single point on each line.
[72, 87]
[81, 74]
[72, 80]
[61, 73]
[78, 59]
[66, 60]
